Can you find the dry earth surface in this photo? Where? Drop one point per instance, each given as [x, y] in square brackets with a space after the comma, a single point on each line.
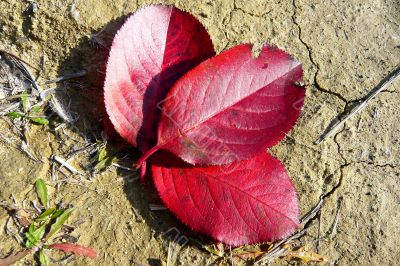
[347, 47]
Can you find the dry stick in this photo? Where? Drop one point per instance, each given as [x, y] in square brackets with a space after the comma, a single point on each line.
[65, 164]
[22, 65]
[333, 228]
[339, 120]
[10, 108]
[123, 167]
[78, 74]
[59, 109]
[318, 244]
[17, 57]
[157, 207]
[25, 148]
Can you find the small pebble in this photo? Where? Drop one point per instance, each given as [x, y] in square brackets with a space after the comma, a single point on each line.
[74, 13]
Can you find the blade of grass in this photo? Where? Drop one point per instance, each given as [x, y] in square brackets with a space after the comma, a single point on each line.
[45, 215]
[16, 96]
[41, 191]
[104, 163]
[15, 115]
[42, 258]
[35, 236]
[31, 228]
[60, 220]
[35, 109]
[57, 213]
[24, 101]
[39, 120]
[31, 241]
[102, 154]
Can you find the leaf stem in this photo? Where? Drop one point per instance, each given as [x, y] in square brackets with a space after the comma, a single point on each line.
[146, 155]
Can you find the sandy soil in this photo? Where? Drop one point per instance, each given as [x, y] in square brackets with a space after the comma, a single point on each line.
[347, 47]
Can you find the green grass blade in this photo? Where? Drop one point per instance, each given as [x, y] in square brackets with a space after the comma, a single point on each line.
[39, 120]
[102, 154]
[35, 236]
[57, 213]
[30, 242]
[41, 191]
[42, 258]
[31, 228]
[104, 163]
[45, 215]
[15, 115]
[60, 220]
[24, 100]
[35, 109]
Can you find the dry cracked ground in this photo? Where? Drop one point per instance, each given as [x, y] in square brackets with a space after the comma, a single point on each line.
[346, 47]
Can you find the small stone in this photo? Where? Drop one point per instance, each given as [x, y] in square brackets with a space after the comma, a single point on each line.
[74, 13]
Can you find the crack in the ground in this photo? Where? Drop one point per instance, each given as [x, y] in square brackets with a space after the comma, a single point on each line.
[311, 58]
[393, 166]
[341, 176]
[348, 162]
[338, 145]
[390, 92]
[235, 7]
[338, 184]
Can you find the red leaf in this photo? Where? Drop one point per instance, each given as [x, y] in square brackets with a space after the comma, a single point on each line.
[76, 249]
[149, 53]
[231, 106]
[245, 202]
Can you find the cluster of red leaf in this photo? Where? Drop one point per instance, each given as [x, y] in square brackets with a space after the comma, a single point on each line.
[206, 121]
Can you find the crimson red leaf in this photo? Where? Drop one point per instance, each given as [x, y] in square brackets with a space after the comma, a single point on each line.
[231, 106]
[74, 248]
[149, 53]
[245, 202]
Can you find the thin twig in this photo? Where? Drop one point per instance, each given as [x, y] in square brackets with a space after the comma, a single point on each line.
[61, 111]
[64, 163]
[136, 216]
[6, 139]
[25, 148]
[123, 167]
[78, 74]
[17, 57]
[22, 66]
[339, 120]
[333, 229]
[9, 108]
[169, 255]
[157, 207]
[318, 244]
[311, 213]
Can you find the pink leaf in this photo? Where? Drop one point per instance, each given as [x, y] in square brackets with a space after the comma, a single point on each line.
[242, 203]
[231, 106]
[76, 249]
[150, 52]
